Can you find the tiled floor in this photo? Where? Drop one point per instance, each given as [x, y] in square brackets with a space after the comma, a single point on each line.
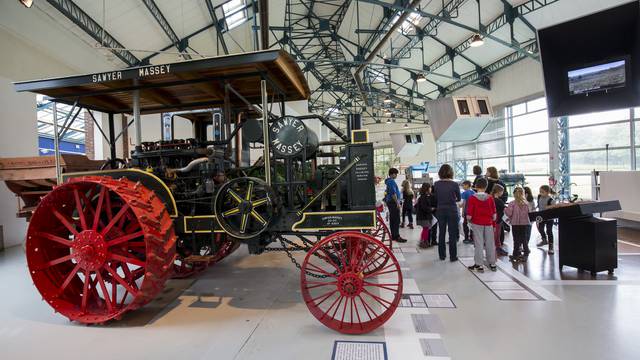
[249, 307]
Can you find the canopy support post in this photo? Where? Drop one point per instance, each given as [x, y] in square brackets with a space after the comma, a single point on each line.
[265, 132]
[56, 144]
[136, 118]
[112, 140]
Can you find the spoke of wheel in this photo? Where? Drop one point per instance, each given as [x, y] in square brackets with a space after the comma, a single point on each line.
[117, 278]
[114, 291]
[105, 294]
[231, 212]
[85, 290]
[353, 302]
[319, 284]
[55, 262]
[335, 311]
[68, 280]
[108, 208]
[55, 238]
[243, 223]
[328, 258]
[332, 305]
[365, 256]
[380, 300]
[260, 202]
[373, 260]
[321, 271]
[324, 297]
[124, 297]
[344, 312]
[115, 219]
[258, 217]
[382, 286]
[249, 191]
[65, 222]
[340, 254]
[129, 275]
[83, 221]
[235, 196]
[367, 307]
[126, 259]
[380, 272]
[124, 238]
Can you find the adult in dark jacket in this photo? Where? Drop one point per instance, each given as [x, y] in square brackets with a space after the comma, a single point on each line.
[494, 178]
[477, 171]
[447, 194]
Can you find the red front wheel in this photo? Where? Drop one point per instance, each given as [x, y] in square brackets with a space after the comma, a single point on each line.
[342, 292]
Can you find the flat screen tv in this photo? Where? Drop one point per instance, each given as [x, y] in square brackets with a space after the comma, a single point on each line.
[592, 63]
[605, 76]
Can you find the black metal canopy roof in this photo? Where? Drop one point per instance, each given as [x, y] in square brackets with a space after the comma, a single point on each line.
[178, 86]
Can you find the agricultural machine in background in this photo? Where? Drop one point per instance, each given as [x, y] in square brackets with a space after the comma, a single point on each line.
[104, 242]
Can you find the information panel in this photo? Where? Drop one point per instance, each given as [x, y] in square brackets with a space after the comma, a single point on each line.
[360, 180]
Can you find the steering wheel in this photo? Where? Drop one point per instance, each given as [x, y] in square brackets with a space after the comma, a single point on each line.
[244, 207]
[108, 164]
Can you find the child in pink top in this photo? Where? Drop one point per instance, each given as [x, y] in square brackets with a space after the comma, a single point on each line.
[518, 213]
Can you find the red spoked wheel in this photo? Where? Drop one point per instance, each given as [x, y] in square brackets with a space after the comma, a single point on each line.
[337, 288]
[99, 247]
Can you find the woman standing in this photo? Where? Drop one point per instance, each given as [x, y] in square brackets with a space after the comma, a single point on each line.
[492, 179]
[447, 194]
[407, 203]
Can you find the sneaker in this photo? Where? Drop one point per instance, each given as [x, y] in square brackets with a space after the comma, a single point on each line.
[401, 240]
[410, 226]
[454, 259]
[514, 258]
[542, 242]
[402, 225]
[493, 267]
[478, 268]
[524, 258]
[423, 245]
[467, 241]
[501, 252]
[551, 251]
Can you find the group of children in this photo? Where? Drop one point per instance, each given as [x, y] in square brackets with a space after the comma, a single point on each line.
[487, 214]
[485, 218]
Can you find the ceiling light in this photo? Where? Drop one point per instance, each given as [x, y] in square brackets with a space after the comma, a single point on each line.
[387, 99]
[476, 41]
[26, 3]
[420, 78]
[389, 121]
[406, 125]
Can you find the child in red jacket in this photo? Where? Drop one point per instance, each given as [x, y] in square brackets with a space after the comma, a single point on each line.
[481, 213]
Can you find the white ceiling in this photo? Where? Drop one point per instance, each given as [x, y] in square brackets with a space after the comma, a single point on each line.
[132, 25]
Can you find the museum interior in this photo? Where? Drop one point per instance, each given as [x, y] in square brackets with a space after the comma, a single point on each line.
[334, 179]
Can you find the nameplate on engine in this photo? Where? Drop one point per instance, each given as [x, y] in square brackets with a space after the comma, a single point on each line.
[336, 220]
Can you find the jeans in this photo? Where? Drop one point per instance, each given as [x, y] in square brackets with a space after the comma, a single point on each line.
[406, 212]
[448, 218]
[394, 219]
[548, 225]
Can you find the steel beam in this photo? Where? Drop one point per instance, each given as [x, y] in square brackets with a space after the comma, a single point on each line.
[74, 13]
[164, 24]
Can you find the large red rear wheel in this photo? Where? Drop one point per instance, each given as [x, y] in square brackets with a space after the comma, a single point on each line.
[98, 247]
[339, 290]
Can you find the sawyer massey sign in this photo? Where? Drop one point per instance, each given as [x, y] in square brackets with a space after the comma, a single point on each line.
[288, 136]
[141, 73]
[336, 220]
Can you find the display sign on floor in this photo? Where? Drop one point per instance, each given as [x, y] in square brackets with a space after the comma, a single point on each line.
[427, 301]
[359, 350]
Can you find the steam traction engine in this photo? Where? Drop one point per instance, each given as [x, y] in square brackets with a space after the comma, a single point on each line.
[104, 242]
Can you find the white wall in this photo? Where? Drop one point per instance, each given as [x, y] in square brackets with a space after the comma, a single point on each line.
[18, 117]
